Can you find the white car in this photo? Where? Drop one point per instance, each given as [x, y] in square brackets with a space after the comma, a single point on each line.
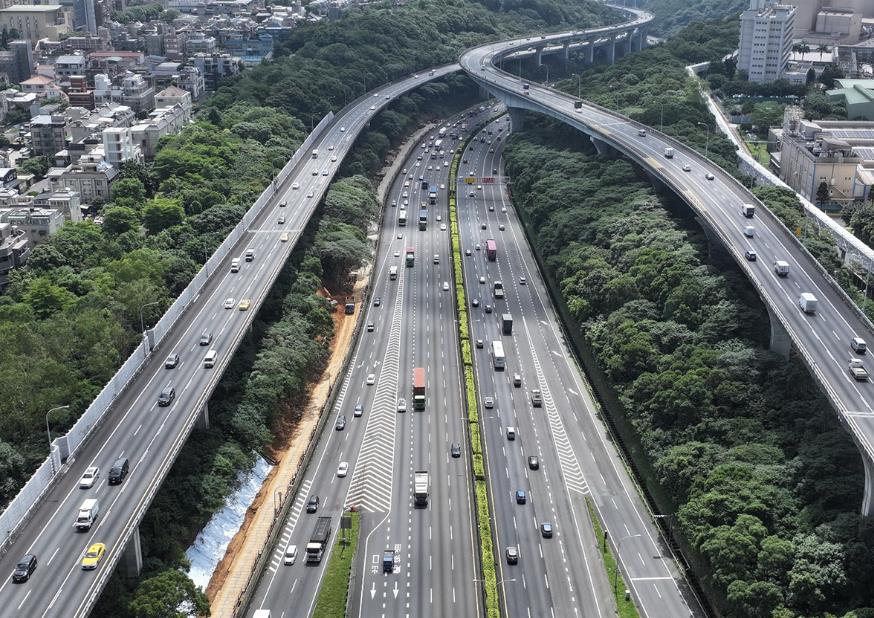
[229, 303]
[397, 254]
[310, 194]
[372, 107]
[503, 209]
[482, 279]
[343, 469]
[687, 168]
[342, 129]
[295, 185]
[442, 187]
[89, 478]
[333, 158]
[445, 286]
[446, 164]
[404, 171]
[442, 227]
[430, 167]
[402, 405]
[371, 379]
[331, 147]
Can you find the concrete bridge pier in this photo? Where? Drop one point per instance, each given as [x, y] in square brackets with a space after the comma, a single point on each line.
[780, 342]
[517, 117]
[868, 495]
[539, 56]
[566, 53]
[203, 418]
[590, 53]
[131, 562]
[611, 50]
[605, 150]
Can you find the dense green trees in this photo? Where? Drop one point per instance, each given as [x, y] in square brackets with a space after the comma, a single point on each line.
[672, 15]
[764, 482]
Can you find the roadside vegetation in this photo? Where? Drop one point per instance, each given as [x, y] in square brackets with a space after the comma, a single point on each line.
[672, 15]
[334, 590]
[761, 483]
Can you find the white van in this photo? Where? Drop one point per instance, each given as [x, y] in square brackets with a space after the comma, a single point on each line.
[393, 273]
[235, 265]
[290, 554]
[511, 433]
[209, 359]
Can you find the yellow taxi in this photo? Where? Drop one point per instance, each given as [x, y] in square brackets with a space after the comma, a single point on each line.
[283, 237]
[93, 556]
[244, 304]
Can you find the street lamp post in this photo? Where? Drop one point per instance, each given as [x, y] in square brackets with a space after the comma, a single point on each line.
[142, 324]
[49, 432]
[707, 143]
[616, 572]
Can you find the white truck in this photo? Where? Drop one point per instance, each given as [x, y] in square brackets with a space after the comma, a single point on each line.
[498, 290]
[88, 513]
[261, 613]
[315, 153]
[857, 370]
[748, 211]
[669, 153]
[781, 268]
[421, 485]
[808, 303]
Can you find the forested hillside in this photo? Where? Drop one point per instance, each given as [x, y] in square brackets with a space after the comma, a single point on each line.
[764, 484]
[672, 15]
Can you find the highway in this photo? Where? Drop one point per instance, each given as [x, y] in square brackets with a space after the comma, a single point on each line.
[823, 338]
[562, 575]
[413, 326]
[149, 435]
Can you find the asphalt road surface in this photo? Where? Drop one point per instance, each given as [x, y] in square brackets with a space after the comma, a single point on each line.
[148, 435]
[413, 326]
[562, 575]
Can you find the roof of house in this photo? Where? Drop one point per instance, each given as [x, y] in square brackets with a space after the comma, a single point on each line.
[172, 91]
[32, 8]
[37, 80]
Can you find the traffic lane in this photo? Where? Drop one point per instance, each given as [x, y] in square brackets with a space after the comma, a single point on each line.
[644, 548]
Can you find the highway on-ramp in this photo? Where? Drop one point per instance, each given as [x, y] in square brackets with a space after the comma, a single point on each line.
[149, 435]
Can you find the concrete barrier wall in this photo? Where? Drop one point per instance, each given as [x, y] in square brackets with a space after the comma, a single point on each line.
[20, 508]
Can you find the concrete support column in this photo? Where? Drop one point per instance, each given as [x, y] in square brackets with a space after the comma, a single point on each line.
[590, 53]
[203, 418]
[780, 342]
[868, 496]
[605, 150]
[131, 562]
[539, 56]
[641, 32]
[517, 118]
[567, 53]
[611, 51]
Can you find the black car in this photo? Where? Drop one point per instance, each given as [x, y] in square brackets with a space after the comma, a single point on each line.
[167, 396]
[488, 308]
[455, 450]
[24, 569]
[534, 462]
[521, 496]
[172, 361]
[118, 471]
[340, 425]
[546, 530]
[377, 301]
[313, 504]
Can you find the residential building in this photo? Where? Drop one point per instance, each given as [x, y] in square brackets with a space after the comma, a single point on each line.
[79, 94]
[175, 96]
[215, 67]
[90, 178]
[857, 95]
[118, 146]
[199, 43]
[82, 124]
[41, 86]
[252, 51]
[64, 201]
[36, 223]
[161, 122]
[765, 40]
[137, 94]
[14, 251]
[48, 135]
[66, 66]
[839, 153]
[17, 61]
[8, 177]
[830, 21]
[35, 22]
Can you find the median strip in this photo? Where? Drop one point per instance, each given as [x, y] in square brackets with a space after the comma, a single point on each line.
[335, 584]
[484, 528]
[624, 604]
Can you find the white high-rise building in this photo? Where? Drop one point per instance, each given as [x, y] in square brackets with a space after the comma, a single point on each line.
[118, 145]
[765, 40]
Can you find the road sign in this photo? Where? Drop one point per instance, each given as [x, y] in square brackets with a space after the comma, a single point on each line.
[487, 180]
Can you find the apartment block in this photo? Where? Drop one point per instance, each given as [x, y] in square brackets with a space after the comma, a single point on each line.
[48, 135]
[765, 40]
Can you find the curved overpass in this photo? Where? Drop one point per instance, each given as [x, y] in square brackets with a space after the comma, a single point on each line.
[823, 338]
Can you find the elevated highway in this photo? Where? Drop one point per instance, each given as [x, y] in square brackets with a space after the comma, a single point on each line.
[822, 338]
